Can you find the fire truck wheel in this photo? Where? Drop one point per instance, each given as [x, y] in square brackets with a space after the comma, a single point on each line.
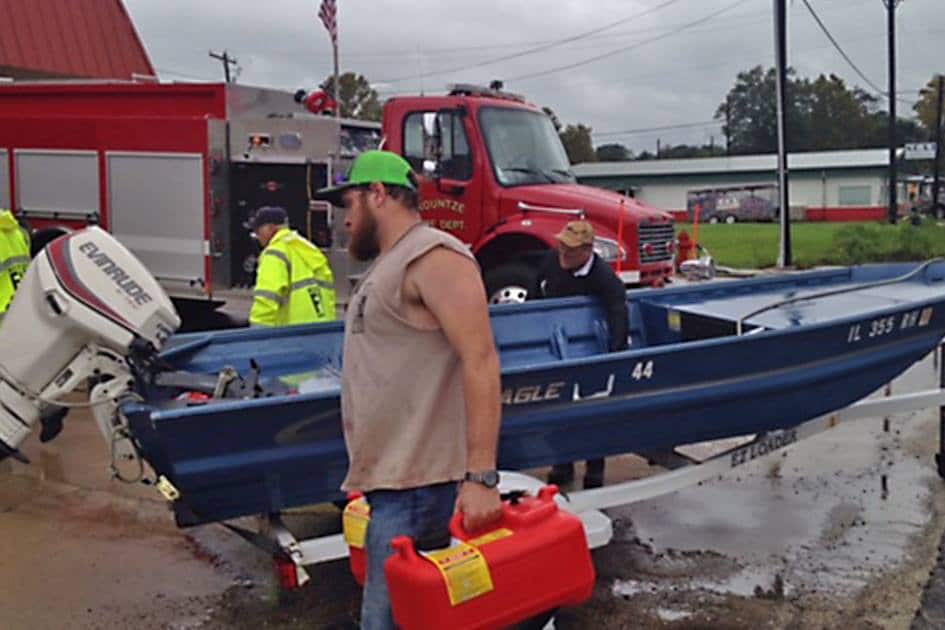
[713, 220]
[730, 219]
[509, 283]
[41, 238]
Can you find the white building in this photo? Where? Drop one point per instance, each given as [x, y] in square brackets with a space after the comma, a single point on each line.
[824, 185]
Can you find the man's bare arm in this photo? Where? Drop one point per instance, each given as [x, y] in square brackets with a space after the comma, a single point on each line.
[449, 286]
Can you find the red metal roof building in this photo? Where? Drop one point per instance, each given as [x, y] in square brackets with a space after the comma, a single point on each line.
[46, 39]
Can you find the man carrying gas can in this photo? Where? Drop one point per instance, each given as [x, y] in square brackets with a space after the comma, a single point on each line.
[294, 284]
[420, 400]
[14, 258]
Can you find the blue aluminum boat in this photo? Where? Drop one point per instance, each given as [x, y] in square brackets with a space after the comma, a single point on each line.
[705, 362]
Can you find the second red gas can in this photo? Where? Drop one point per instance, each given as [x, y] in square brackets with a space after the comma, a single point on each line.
[354, 523]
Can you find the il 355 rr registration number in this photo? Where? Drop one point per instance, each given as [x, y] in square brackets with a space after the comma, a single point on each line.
[886, 325]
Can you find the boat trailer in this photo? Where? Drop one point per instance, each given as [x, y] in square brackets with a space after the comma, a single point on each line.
[292, 555]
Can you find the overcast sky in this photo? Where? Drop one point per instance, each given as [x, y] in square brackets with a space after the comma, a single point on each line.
[678, 78]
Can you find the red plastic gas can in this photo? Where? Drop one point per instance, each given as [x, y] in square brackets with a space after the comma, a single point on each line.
[354, 524]
[533, 560]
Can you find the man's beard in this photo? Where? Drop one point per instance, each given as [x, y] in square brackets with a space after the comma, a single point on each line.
[364, 243]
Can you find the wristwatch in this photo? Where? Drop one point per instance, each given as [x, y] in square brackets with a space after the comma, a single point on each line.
[488, 478]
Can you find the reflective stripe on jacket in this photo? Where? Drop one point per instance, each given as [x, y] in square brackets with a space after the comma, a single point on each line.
[14, 258]
[294, 284]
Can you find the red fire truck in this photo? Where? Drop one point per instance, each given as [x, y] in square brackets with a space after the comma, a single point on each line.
[175, 171]
[498, 178]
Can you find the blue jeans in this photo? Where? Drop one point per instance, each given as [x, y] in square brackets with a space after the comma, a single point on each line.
[418, 513]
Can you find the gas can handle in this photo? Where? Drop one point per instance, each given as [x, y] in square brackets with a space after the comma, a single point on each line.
[459, 531]
[456, 526]
[540, 509]
[403, 547]
[546, 507]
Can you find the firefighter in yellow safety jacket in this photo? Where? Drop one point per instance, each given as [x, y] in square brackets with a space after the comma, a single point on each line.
[294, 284]
[14, 258]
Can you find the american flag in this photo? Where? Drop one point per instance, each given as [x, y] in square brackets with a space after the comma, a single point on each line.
[327, 12]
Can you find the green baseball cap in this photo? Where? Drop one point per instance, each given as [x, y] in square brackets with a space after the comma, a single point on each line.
[370, 167]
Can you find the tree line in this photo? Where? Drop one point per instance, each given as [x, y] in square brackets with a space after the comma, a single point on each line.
[822, 114]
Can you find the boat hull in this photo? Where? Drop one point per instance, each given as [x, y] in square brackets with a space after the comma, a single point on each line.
[265, 455]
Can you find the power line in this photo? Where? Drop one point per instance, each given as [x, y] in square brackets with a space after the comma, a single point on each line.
[531, 51]
[392, 93]
[630, 132]
[400, 55]
[393, 54]
[840, 50]
[846, 57]
[397, 55]
[611, 53]
[686, 68]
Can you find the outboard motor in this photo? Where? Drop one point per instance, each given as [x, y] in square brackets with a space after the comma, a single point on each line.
[85, 308]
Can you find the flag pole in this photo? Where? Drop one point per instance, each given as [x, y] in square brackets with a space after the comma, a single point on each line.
[337, 94]
[328, 14]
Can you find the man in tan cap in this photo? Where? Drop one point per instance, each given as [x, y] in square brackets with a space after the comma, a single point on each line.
[574, 269]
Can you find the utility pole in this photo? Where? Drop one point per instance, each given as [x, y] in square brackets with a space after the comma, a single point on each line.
[657, 148]
[938, 146]
[780, 49]
[728, 125]
[227, 60]
[893, 178]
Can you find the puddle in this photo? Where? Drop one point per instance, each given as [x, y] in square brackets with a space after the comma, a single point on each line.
[667, 614]
[822, 519]
[632, 588]
[749, 582]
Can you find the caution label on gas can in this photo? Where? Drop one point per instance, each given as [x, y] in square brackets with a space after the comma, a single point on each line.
[354, 522]
[464, 571]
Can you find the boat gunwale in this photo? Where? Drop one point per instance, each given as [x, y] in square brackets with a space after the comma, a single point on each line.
[630, 354]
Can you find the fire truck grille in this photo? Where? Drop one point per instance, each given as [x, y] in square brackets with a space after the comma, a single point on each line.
[656, 242]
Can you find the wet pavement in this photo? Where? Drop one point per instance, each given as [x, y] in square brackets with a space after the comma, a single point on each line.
[818, 533]
[811, 540]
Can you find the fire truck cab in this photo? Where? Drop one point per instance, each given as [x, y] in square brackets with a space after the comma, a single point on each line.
[497, 176]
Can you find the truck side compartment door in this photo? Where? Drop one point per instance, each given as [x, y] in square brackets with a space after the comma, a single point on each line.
[450, 197]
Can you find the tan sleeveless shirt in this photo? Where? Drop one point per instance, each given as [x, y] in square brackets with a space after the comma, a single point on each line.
[402, 400]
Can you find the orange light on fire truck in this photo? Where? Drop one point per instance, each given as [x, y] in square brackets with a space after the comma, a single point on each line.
[260, 140]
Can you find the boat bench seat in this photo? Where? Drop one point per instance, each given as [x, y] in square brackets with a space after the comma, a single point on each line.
[571, 343]
[562, 333]
[565, 347]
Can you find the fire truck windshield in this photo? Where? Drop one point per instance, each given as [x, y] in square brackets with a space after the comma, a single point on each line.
[524, 147]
